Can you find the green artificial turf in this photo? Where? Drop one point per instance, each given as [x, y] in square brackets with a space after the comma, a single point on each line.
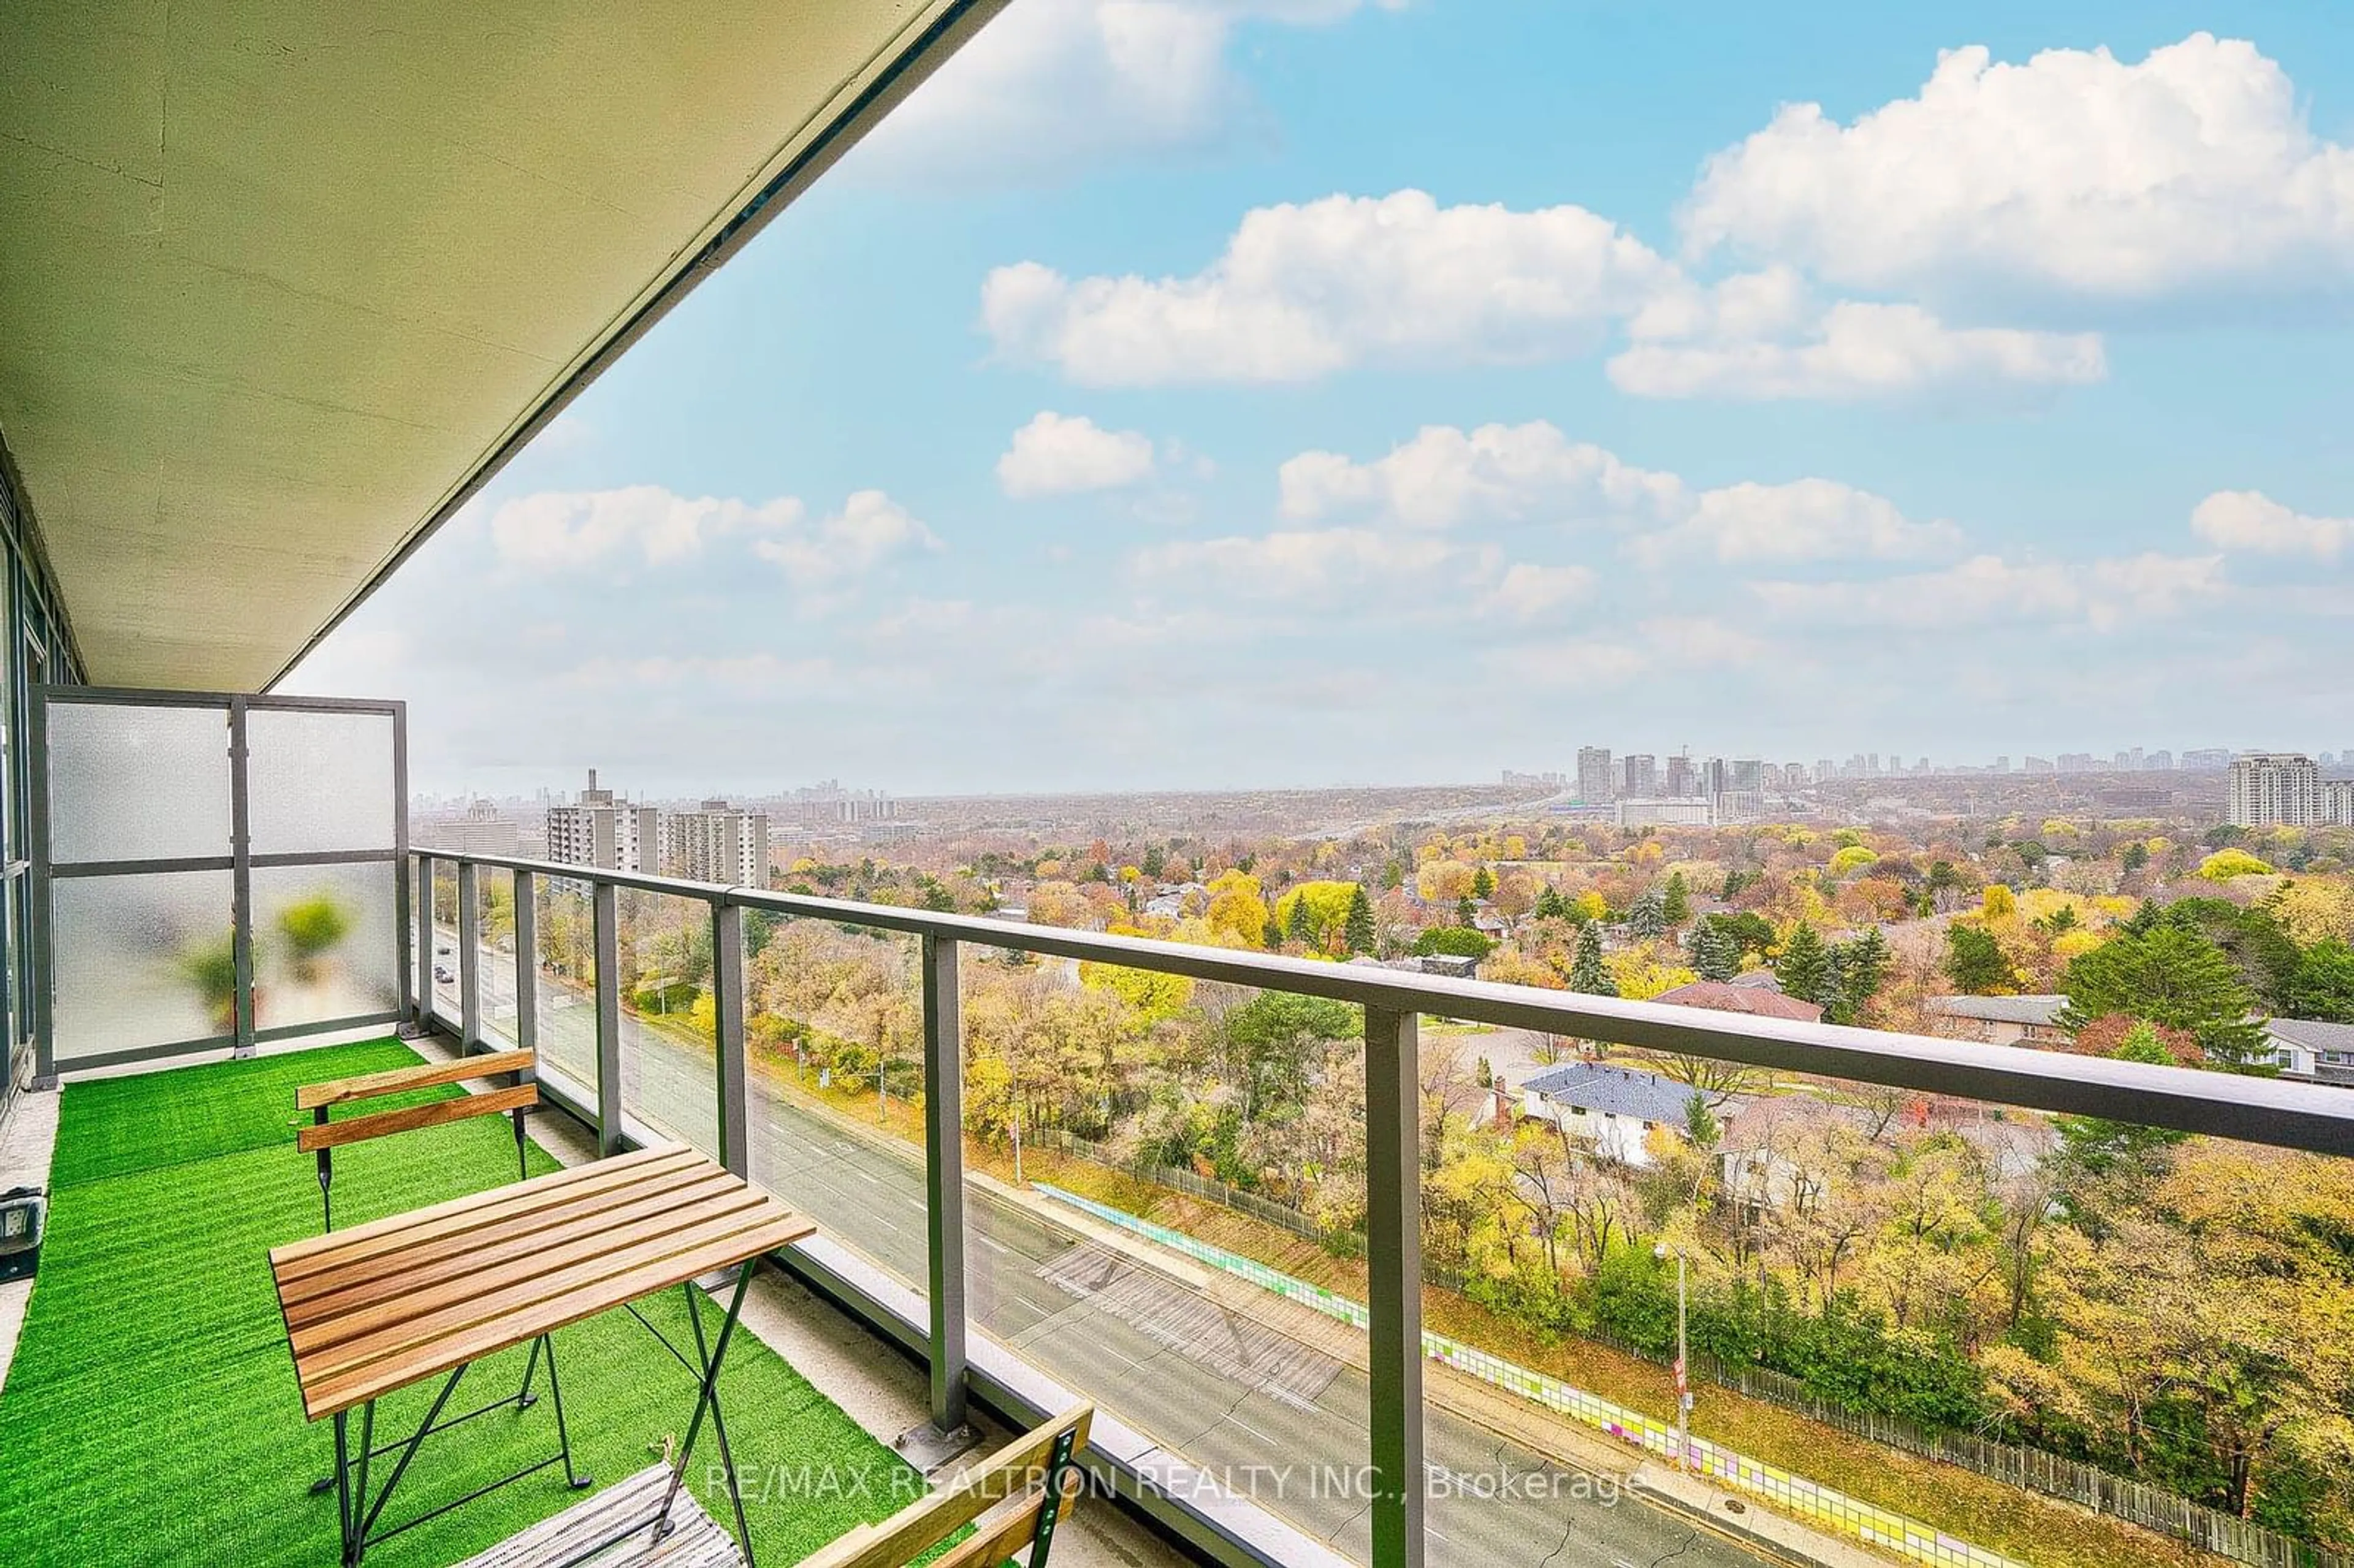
[151, 1416]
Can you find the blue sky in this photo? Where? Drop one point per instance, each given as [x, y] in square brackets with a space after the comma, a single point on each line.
[1257, 392]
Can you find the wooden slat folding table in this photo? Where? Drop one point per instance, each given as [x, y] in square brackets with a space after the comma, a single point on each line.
[379, 1307]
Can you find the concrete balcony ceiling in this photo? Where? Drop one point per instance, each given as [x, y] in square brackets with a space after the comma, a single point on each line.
[280, 283]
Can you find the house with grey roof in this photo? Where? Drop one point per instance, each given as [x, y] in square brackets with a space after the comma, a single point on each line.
[2001, 1020]
[2312, 1051]
[1611, 1110]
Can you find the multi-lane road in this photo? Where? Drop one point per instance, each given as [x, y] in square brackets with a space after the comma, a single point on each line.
[1267, 1415]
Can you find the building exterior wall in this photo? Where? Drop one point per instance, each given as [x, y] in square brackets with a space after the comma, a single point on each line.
[717, 844]
[1625, 1139]
[2274, 789]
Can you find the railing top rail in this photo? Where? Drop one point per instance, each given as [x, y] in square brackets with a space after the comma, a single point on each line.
[2262, 1110]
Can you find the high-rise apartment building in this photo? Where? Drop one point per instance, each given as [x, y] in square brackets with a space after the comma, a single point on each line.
[2274, 789]
[1681, 780]
[1638, 775]
[2338, 802]
[1595, 784]
[601, 831]
[717, 843]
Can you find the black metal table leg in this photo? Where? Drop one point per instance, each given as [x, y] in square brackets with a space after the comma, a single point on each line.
[703, 1398]
[343, 1484]
[719, 1422]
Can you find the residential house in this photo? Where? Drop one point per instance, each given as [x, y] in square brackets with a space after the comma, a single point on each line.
[2001, 1020]
[1611, 1110]
[2312, 1051]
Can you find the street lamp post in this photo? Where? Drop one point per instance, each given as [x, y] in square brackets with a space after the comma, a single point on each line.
[1684, 1381]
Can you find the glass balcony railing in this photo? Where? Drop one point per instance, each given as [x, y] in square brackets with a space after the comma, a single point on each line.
[1225, 1239]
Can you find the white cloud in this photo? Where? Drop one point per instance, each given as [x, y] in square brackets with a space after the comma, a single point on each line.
[2074, 175]
[1526, 590]
[1052, 86]
[1805, 520]
[1306, 564]
[1857, 351]
[1446, 476]
[870, 529]
[1988, 591]
[2252, 521]
[1055, 454]
[1302, 291]
[759, 674]
[557, 529]
[1661, 645]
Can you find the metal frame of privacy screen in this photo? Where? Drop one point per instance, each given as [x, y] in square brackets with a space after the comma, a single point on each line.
[131, 847]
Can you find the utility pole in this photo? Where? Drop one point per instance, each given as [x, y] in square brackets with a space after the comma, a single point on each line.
[1683, 1379]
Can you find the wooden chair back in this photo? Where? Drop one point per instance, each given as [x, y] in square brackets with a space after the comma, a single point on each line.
[1015, 1498]
[324, 1136]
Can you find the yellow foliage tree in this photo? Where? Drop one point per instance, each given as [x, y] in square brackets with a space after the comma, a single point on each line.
[1237, 915]
[1444, 881]
[2315, 909]
[2226, 864]
[1998, 902]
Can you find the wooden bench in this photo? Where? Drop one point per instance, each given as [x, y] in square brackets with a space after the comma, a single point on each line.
[1013, 1498]
[325, 1136]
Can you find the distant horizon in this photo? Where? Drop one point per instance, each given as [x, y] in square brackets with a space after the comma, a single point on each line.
[1937, 770]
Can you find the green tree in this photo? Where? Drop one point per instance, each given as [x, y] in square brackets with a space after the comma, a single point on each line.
[1805, 967]
[1715, 952]
[1279, 1040]
[2134, 856]
[1975, 961]
[1586, 972]
[1466, 912]
[2266, 956]
[1648, 917]
[1549, 905]
[1862, 970]
[1302, 926]
[1358, 930]
[2323, 986]
[1483, 883]
[1453, 942]
[1675, 905]
[2168, 977]
[1273, 937]
[1700, 1122]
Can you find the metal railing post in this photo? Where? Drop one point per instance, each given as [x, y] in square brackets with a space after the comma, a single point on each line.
[727, 1025]
[608, 1018]
[527, 959]
[424, 941]
[470, 955]
[944, 1177]
[240, 849]
[1393, 1285]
